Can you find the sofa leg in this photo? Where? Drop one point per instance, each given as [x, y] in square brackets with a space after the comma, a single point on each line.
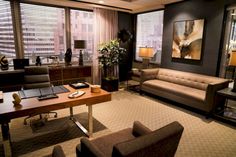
[208, 115]
[141, 92]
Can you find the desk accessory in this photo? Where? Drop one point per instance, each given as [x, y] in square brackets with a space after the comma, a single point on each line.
[95, 88]
[76, 94]
[4, 63]
[80, 44]
[16, 98]
[30, 93]
[79, 85]
[45, 97]
[1, 96]
[20, 63]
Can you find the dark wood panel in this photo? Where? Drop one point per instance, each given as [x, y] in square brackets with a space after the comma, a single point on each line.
[12, 80]
[69, 73]
[55, 74]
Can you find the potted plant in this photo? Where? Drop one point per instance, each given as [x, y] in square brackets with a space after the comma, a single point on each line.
[110, 54]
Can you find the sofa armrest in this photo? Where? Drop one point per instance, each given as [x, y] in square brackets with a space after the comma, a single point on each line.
[57, 151]
[139, 129]
[148, 74]
[211, 97]
[161, 142]
[88, 149]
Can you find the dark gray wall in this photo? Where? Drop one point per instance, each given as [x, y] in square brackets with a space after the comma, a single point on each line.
[126, 21]
[213, 13]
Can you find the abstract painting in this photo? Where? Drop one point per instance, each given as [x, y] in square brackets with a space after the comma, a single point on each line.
[187, 39]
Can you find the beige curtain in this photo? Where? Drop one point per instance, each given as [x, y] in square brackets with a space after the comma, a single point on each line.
[105, 29]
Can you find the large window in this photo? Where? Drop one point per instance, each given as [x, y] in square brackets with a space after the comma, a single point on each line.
[7, 47]
[43, 31]
[82, 29]
[149, 33]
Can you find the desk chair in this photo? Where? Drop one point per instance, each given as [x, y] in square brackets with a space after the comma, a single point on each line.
[36, 77]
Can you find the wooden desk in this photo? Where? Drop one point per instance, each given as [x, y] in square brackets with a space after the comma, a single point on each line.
[33, 106]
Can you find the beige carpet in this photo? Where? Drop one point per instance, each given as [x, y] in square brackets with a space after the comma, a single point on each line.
[201, 137]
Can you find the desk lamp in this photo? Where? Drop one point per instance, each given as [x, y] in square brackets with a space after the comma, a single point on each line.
[80, 44]
[146, 53]
[232, 62]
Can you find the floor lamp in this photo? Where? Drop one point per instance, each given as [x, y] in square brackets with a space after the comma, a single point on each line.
[80, 44]
[232, 62]
[146, 53]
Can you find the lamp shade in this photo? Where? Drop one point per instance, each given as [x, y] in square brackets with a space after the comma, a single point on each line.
[232, 60]
[79, 44]
[146, 52]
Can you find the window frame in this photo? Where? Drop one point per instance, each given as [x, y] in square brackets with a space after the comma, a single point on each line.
[18, 31]
[135, 29]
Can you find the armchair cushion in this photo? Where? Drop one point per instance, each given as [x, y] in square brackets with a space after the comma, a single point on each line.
[103, 144]
[87, 148]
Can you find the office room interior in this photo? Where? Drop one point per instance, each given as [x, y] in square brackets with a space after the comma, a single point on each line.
[118, 78]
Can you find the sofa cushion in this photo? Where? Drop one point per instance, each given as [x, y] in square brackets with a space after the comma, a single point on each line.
[185, 78]
[176, 89]
[105, 144]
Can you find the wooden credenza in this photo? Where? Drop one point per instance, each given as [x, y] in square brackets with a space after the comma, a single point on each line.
[12, 80]
[69, 74]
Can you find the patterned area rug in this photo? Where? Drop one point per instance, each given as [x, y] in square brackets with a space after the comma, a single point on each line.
[52, 132]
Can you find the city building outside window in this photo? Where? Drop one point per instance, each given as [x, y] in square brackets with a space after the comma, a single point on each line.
[82, 29]
[7, 46]
[149, 33]
[43, 30]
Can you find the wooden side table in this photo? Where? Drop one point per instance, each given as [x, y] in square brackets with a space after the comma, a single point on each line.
[227, 113]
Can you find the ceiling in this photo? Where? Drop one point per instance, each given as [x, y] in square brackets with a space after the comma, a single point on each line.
[132, 6]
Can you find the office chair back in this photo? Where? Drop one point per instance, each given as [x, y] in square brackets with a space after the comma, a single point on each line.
[36, 77]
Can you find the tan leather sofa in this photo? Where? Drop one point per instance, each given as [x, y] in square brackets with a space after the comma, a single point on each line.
[194, 90]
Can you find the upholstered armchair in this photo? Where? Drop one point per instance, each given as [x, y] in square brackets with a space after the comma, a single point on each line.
[138, 141]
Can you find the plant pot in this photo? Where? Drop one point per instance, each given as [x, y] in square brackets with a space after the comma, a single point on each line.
[110, 85]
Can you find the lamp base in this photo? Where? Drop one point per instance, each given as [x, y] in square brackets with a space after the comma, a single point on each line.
[234, 86]
[145, 63]
[81, 58]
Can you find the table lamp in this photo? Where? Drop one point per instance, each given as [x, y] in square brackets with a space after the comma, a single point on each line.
[146, 53]
[80, 44]
[232, 62]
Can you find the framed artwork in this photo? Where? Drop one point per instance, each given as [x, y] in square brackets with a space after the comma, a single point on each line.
[187, 39]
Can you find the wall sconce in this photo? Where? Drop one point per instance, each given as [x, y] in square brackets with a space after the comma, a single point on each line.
[80, 44]
[146, 53]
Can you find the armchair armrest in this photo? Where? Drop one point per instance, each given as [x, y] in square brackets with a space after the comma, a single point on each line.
[88, 149]
[211, 99]
[139, 129]
[57, 151]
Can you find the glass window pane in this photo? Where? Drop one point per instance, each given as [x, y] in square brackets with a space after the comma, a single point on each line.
[149, 33]
[82, 29]
[43, 31]
[7, 46]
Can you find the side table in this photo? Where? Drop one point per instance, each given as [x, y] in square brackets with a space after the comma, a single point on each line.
[134, 78]
[226, 113]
